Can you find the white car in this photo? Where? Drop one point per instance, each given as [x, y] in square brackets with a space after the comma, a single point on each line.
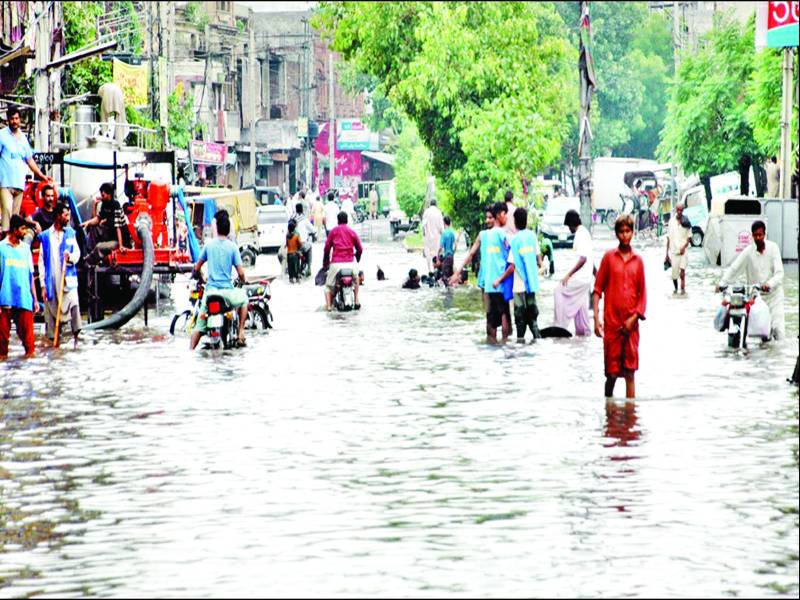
[552, 223]
[273, 222]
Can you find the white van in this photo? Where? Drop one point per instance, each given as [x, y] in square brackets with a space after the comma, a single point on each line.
[273, 223]
[608, 181]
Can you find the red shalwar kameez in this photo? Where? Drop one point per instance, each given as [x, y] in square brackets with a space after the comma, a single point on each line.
[621, 281]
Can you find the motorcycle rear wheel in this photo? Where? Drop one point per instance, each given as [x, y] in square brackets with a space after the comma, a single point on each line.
[611, 218]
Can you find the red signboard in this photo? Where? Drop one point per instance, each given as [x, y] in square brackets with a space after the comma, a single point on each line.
[780, 14]
[208, 152]
[776, 24]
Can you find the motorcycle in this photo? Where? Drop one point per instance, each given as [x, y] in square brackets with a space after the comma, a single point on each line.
[361, 213]
[259, 316]
[344, 291]
[735, 313]
[222, 323]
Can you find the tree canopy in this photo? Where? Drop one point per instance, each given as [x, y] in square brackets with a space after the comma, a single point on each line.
[488, 85]
[725, 103]
[633, 61]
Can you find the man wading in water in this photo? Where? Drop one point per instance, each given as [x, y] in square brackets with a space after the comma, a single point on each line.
[621, 279]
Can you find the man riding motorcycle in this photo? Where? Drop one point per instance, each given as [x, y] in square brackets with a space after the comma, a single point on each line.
[338, 255]
[305, 230]
[762, 265]
[222, 255]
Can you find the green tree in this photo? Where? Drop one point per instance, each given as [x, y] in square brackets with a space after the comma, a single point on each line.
[632, 51]
[196, 15]
[763, 112]
[180, 112]
[489, 85]
[412, 167]
[706, 127]
[80, 30]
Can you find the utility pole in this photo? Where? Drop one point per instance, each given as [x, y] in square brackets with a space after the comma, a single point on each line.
[151, 52]
[307, 100]
[786, 118]
[587, 80]
[332, 121]
[41, 94]
[251, 70]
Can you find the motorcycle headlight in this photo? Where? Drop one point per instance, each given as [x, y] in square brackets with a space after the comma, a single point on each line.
[737, 300]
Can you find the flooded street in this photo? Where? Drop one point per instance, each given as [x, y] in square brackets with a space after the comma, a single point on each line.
[392, 452]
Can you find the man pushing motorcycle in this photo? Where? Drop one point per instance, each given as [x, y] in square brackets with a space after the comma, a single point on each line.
[762, 265]
[222, 255]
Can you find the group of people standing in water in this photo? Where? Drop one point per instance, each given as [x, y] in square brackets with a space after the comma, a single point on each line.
[510, 264]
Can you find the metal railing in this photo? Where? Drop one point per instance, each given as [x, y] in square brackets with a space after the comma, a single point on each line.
[74, 135]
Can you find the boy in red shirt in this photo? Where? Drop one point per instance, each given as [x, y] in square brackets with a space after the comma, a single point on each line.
[621, 279]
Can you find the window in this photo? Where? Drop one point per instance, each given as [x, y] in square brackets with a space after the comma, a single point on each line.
[224, 6]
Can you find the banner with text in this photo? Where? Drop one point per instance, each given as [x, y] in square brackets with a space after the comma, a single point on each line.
[132, 79]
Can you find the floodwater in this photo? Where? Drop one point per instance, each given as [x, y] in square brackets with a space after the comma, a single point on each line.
[392, 452]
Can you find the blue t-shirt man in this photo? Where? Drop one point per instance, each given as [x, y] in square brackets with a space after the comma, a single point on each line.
[14, 154]
[494, 258]
[222, 256]
[16, 275]
[447, 242]
[524, 247]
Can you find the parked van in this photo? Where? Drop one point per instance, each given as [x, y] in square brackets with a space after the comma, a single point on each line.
[273, 223]
[608, 182]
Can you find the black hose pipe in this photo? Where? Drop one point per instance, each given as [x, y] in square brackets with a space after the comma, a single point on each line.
[118, 319]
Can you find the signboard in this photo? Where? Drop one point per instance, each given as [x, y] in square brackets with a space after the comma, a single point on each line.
[207, 152]
[743, 240]
[132, 79]
[777, 24]
[352, 134]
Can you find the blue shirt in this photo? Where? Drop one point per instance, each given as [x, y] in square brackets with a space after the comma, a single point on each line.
[481, 269]
[16, 275]
[447, 242]
[495, 258]
[13, 154]
[222, 256]
[523, 248]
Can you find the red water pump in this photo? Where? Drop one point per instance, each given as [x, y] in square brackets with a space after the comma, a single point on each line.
[32, 196]
[150, 199]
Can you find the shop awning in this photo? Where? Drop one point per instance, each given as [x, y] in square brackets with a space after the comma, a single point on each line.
[383, 157]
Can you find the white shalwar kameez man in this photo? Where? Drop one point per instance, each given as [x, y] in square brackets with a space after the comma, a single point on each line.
[764, 268]
[432, 227]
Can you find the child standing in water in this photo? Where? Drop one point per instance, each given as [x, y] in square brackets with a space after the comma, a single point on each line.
[621, 279]
[293, 245]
